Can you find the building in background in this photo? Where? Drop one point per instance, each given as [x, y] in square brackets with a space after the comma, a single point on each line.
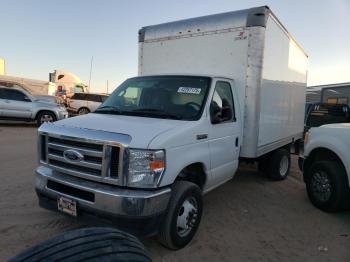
[2, 67]
[331, 94]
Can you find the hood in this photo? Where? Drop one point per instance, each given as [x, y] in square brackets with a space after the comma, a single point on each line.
[46, 99]
[141, 129]
[340, 125]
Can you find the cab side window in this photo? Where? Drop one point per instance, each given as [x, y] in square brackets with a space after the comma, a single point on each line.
[13, 95]
[222, 105]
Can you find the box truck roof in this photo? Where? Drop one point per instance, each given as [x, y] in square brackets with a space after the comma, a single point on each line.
[256, 16]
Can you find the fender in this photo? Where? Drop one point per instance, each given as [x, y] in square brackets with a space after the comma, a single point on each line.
[332, 143]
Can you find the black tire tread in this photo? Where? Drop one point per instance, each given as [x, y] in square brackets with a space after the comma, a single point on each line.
[274, 161]
[340, 201]
[178, 189]
[87, 243]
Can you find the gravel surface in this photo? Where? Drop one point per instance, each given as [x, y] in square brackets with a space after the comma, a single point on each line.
[247, 219]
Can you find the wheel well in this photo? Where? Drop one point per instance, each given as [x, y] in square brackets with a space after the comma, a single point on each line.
[41, 111]
[194, 173]
[84, 107]
[321, 154]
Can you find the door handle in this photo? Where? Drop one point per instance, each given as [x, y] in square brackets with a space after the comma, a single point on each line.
[202, 136]
[236, 142]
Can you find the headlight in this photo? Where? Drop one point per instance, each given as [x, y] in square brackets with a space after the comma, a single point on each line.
[62, 108]
[146, 167]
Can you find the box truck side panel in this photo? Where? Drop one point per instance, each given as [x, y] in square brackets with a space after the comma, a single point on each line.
[282, 96]
[220, 53]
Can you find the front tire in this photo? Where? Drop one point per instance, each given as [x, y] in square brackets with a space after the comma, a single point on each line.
[45, 117]
[182, 216]
[327, 186]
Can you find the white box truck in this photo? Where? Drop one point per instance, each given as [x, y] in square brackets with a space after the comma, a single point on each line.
[211, 91]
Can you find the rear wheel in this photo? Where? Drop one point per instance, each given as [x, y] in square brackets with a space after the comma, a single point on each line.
[83, 111]
[45, 117]
[327, 186]
[279, 164]
[182, 216]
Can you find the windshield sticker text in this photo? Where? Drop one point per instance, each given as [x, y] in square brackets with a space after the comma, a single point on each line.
[189, 90]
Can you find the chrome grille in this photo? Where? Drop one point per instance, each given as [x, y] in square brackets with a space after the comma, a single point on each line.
[96, 161]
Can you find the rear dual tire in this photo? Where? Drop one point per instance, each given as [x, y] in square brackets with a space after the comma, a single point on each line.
[276, 165]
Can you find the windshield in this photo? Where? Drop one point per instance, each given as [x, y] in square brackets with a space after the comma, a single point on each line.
[171, 97]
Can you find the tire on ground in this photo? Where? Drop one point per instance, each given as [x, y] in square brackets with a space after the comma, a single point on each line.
[169, 235]
[93, 244]
[339, 186]
[83, 111]
[279, 164]
[43, 113]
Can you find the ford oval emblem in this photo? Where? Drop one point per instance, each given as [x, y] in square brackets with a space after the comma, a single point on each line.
[73, 156]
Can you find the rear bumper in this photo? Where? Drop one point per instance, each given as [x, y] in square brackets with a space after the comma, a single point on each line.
[99, 198]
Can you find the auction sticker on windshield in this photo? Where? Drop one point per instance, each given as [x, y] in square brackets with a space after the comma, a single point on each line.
[189, 90]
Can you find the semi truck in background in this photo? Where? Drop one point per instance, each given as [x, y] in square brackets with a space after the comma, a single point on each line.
[67, 83]
[212, 91]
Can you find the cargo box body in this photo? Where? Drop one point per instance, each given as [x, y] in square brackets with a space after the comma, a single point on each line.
[251, 47]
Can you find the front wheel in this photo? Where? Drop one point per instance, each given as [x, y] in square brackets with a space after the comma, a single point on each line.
[183, 215]
[327, 186]
[45, 117]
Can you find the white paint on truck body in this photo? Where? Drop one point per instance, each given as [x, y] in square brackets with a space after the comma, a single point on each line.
[268, 68]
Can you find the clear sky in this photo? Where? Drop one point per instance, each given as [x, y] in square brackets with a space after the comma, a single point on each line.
[38, 36]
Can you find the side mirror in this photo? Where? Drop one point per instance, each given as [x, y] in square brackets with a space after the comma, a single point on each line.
[27, 99]
[215, 113]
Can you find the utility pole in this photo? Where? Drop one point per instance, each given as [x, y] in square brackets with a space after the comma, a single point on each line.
[92, 59]
[107, 87]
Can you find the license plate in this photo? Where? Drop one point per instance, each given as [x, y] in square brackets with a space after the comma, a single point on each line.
[67, 206]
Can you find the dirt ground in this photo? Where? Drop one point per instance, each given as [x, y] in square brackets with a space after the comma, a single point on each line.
[247, 219]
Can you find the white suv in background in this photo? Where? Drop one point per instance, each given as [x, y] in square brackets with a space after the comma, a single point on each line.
[83, 103]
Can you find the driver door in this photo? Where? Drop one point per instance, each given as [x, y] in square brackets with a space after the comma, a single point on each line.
[224, 133]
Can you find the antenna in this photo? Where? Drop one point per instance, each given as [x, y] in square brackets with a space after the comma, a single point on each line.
[92, 59]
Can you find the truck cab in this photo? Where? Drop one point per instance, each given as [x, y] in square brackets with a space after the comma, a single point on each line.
[154, 132]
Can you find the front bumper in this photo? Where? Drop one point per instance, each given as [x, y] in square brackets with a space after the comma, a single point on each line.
[62, 115]
[102, 199]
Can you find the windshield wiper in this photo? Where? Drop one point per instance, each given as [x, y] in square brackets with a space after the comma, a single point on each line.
[156, 112]
[110, 110]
